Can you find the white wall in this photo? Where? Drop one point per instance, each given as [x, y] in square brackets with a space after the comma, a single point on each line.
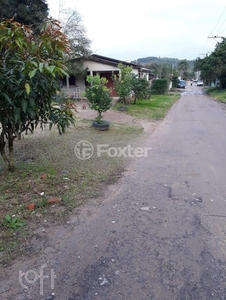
[96, 66]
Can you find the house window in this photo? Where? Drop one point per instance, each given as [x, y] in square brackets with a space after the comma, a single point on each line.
[72, 80]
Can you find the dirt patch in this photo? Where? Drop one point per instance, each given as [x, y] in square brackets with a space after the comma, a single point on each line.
[85, 112]
[81, 186]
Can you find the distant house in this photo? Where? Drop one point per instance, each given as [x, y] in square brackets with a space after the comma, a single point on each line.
[104, 66]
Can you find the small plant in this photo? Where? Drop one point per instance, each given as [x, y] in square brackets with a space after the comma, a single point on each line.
[12, 222]
[123, 82]
[98, 95]
[141, 88]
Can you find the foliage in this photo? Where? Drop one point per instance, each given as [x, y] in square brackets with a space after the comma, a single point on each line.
[217, 93]
[30, 67]
[152, 62]
[159, 86]
[162, 60]
[123, 82]
[218, 61]
[32, 12]
[182, 67]
[213, 67]
[165, 71]
[73, 28]
[174, 81]
[140, 88]
[12, 222]
[62, 111]
[98, 95]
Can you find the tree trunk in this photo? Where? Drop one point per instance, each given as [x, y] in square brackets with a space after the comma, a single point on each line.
[11, 155]
[2, 147]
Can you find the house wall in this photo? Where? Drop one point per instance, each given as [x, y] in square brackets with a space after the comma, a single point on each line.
[96, 66]
[104, 70]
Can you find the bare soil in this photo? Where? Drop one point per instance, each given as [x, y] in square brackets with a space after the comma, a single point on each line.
[84, 112]
[158, 233]
[46, 231]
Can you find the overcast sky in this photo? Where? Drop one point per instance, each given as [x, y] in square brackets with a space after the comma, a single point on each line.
[128, 30]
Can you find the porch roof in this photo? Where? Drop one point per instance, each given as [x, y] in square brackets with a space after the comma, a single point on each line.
[114, 62]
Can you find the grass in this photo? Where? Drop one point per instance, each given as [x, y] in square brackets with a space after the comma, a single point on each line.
[47, 169]
[217, 94]
[152, 109]
[50, 181]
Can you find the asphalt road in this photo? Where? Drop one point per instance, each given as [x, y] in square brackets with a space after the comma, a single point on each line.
[159, 233]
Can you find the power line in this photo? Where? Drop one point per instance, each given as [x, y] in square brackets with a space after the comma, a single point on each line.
[220, 27]
[204, 54]
[216, 37]
[219, 19]
[208, 41]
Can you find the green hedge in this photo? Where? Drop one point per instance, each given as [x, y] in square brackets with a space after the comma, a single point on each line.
[159, 86]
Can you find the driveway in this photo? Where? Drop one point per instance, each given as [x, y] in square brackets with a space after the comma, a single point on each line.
[159, 233]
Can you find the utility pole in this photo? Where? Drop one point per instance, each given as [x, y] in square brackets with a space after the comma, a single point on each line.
[216, 37]
[204, 54]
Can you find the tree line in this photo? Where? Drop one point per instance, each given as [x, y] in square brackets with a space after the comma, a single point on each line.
[213, 67]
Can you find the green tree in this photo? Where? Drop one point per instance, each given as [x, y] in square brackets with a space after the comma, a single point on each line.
[140, 88]
[218, 61]
[26, 12]
[166, 70]
[182, 67]
[98, 95]
[197, 64]
[30, 66]
[154, 67]
[208, 70]
[123, 82]
[213, 67]
[174, 81]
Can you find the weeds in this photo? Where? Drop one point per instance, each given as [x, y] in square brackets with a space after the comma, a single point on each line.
[217, 93]
[12, 222]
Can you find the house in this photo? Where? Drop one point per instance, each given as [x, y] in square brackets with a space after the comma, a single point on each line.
[104, 66]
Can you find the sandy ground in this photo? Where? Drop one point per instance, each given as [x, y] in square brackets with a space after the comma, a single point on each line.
[84, 112]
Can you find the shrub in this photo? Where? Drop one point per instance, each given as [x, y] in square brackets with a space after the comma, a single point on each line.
[159, 86]
[141, 89]
[98, 95]
[174, 81]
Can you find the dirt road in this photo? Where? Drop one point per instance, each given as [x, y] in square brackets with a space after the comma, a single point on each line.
[159, 233]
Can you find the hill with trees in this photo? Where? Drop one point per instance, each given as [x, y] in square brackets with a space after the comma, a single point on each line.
[162, 60]
[165, 67]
